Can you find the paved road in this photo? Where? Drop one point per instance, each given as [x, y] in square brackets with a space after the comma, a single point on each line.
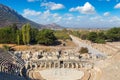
[90, 48]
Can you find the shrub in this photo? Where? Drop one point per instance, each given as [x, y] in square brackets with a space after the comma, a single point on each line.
[6, 48]
[98, 40]
[83, 50]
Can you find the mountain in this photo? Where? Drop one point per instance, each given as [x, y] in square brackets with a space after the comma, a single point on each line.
[8, 16]
[53, 26]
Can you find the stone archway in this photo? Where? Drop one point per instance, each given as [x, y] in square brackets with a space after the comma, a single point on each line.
[47, 65]
[70, 65]
[61, 64]
[74, 65]
[52, 64]
[56, 65]
[43, 65]
[78, 65]
[65, 65]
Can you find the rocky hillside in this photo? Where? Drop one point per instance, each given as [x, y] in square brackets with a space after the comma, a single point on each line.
[53, 26]
[8, 16]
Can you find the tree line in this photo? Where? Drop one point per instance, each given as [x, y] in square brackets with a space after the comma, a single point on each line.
[102, 36]
[26, 35]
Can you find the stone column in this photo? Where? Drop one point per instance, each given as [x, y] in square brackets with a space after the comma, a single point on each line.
[30, 65]
[76, 65]
[44, 64]
[67, 65]
[58, 64]
[80, 65]
[35, 66]
[63, 65]
[53, 64]
[72, 65]
[49, 65]
[41, 64]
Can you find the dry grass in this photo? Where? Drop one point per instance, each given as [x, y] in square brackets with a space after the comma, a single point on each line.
[11, 45]
[41, 47]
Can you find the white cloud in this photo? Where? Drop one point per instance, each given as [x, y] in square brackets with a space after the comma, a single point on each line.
[114, 19]
[70, 20]
[45, 17]
[46, 14]
[28, 12]
[32, 0]
[106, 14]
[57, 19]
[52, 5]
[79, 17]
[97, 18]
[68, 15]
[55, 15]
[86, 9]
[117, 6]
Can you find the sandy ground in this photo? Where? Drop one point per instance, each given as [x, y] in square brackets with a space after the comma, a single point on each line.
[112, 70]
[61, 74]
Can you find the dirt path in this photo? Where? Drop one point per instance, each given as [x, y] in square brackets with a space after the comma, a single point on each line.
[92, 50]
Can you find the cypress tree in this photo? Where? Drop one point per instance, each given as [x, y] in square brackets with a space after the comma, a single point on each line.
[24, 34]
[18, 37]
[28, 28]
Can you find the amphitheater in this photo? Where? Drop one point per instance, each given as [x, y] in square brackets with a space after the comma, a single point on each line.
[57, 65]
[62, 64]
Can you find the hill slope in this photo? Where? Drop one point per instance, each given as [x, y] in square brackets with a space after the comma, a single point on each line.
[53, 26]
[8, 16]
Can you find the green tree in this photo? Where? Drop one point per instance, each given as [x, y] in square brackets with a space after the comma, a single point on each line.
[18, 37]
[113, 34]
[26, 33]
[8, 34]
[92, 36]
[33, 35]
[100, 40]
[46, 37]
[83, 36]
[101, 35]
[28, 28]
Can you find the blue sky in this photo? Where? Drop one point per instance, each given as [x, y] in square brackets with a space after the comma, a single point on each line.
[69, 13]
